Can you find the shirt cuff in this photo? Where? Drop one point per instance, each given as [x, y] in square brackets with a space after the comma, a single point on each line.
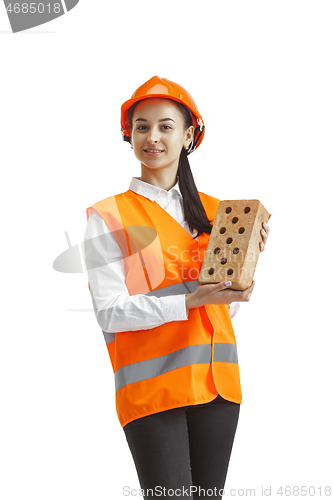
[174, 308]
[233, 309]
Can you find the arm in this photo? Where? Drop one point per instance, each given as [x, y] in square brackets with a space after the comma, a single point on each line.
[115, 309]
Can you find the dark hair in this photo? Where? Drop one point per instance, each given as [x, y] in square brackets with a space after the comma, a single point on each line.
[194, 211]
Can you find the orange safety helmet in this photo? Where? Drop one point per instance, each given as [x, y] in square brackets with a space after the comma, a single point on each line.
[161, 87]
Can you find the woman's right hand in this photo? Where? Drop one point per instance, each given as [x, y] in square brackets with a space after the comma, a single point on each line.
[217, 293]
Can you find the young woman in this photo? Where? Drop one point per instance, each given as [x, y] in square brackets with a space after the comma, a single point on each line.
[170, 339]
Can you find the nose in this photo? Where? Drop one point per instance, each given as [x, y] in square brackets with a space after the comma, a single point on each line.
[153, 136]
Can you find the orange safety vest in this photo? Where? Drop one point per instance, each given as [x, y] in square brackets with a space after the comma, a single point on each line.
[179, 363]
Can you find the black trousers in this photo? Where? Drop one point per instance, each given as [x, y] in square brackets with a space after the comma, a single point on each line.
[184, 452]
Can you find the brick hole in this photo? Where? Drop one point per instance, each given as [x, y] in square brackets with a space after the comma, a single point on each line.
[224, 261]
[236, 250]
[247, 210]
[241, 230]
[228, 210]
[234, 220]
[229, 240]
[230, 271]
[217, 250]
[211, 270]
[222, 230]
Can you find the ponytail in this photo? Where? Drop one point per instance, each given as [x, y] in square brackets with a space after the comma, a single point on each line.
[194, 211]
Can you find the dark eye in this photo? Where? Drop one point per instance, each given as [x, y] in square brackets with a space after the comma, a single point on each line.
[140, 127]
[168, 126]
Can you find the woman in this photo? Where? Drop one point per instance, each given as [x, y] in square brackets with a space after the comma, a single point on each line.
[170, 340]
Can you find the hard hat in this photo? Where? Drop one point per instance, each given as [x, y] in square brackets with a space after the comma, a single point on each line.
[161, 87]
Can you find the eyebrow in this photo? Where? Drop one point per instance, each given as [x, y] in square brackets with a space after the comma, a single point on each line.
[163, 120]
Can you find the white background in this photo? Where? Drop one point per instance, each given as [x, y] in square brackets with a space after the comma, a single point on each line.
[261, 75]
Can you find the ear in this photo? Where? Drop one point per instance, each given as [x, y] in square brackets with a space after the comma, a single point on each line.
[189, 136]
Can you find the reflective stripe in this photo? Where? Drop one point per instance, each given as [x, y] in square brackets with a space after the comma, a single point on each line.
[109, 337]
[149, 368]
[225, 353]
[177, 289]
[190, 355]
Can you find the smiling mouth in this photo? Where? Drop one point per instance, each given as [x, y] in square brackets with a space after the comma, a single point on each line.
[153, 152]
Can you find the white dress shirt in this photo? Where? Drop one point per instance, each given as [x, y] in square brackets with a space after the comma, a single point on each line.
[115, 309]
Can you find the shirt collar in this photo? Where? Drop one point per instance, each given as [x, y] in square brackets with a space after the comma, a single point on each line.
[150, 191]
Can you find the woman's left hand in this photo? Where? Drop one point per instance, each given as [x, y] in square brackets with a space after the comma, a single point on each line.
[264, 233]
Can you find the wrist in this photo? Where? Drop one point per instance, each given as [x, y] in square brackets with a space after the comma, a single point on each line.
[190, 301]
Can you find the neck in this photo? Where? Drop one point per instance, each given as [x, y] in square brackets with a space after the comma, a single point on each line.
[162, 178]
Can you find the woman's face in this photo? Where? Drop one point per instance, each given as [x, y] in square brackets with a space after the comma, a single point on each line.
[158, 134]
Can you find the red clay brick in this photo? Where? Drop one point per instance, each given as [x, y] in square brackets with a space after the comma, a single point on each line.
[233, 248]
